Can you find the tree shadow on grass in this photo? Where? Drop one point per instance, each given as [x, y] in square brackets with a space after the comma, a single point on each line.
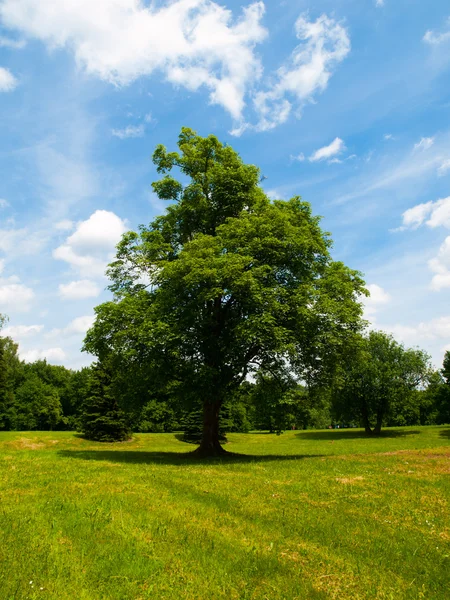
[354, 434]
[176, 458]
[445, 433]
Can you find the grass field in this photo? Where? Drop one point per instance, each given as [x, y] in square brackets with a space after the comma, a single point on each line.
[306, 515]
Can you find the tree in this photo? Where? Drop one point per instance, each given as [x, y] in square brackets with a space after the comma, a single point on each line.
[224, 283]
[101, 418]
[378, 380]
[443, 399]
[37, 406]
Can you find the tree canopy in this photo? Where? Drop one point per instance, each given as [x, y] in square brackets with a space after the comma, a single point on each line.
[224, 283]
[378, 380]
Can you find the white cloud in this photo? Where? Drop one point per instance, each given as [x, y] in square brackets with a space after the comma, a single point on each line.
[299, 157]
[433, 38]
[424, 144]
[336, 147]
[440, 265]
[91, 247]
[324, 44]
[378, 298]
[64, 225]
[77, 327]
[194, 42]
[379, 2]
[444, 168]
[52, 355]
[129, 132]
[78, 290]
[9, 43]
[433, 214]
[3, 203]
[438, 328]
[21, 331]
[388, 136]
[20, 242]
[14, 296]
[7, 80]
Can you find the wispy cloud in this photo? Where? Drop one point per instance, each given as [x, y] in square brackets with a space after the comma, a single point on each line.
[435, 38]
[6, 42]
[425, 143]
[336, 147]
[129, 132]
[324, 44]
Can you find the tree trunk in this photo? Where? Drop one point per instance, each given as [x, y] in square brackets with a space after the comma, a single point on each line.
[365, 420]
[210, 445]
[377, 429]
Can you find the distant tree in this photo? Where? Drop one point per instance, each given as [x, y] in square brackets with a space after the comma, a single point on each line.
[37, 406]
[156, 417]
[378, 380]
[101, 418]
[225, 282]
[443, 399]
[6, 387]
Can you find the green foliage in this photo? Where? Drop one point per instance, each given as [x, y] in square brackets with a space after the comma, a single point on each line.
[379, 382]
[102, 419]
[156, 417]
[37, 406]
[234, 282]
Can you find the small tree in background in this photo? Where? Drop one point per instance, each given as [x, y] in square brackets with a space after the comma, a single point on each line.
[379, 380]
[101, 419]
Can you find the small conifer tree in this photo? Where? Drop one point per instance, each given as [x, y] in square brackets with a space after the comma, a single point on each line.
[101, 418]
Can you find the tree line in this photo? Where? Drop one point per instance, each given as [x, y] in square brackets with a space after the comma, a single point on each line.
[108, 405]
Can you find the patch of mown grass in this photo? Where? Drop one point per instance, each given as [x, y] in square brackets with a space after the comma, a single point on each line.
[305, 515]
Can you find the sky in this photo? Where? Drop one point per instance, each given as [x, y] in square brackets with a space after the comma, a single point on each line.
[344, 102]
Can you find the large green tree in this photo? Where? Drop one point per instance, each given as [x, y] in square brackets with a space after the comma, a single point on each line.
[226, 281]
[378, 381]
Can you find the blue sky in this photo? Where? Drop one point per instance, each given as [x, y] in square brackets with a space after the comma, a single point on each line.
[345, 102]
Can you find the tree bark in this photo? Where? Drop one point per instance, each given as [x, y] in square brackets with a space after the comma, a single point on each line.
[377, 429]
[210, 444]
[365, 419]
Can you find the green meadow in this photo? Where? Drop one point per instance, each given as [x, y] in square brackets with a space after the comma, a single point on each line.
[304, 515]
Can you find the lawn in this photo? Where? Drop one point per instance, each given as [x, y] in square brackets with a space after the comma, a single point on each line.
[304, 515]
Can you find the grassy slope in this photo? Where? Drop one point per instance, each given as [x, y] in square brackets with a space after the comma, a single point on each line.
[308, 515]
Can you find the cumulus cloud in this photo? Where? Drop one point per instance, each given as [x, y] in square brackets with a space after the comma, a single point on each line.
[91, 247]
[14, 296]
[432, 214]
[440, 265]
[193, 42]
[79, 290]
[324, 44]
[378, 298]
[424, 144]
[52, 355]
[327, 152]
[7, 80]
[129, 132]
[21, 331]
[78, 326]
[435, 38]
